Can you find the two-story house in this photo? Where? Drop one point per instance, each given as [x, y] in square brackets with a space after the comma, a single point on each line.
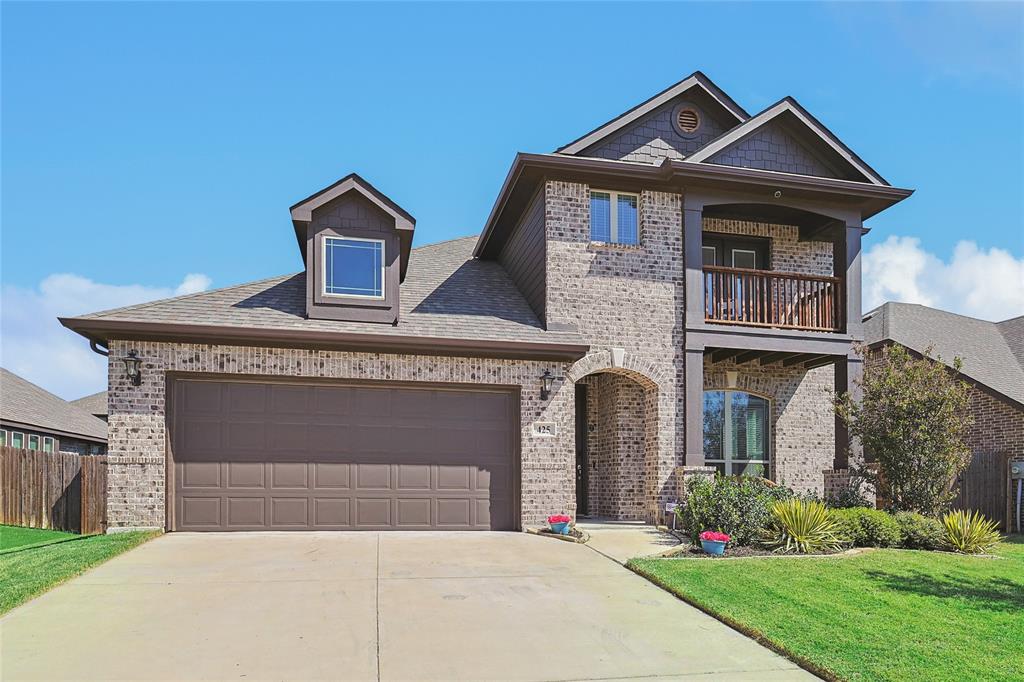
[670, 294]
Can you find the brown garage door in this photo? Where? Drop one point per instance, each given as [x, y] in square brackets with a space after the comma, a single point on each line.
[286, 456]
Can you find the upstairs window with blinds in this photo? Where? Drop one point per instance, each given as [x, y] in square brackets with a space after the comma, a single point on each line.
[614, 217]
[736, 433]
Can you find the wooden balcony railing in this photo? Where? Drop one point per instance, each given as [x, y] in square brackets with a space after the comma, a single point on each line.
[766, 298]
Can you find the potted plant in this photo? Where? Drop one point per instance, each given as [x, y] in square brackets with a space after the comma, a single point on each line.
[559, 523]
[714, 542]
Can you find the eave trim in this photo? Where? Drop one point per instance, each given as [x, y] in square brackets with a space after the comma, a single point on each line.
[106, 330]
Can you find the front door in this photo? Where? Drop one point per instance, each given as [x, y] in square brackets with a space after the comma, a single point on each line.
[581, 449]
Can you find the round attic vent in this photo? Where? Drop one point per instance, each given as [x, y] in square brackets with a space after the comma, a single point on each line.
[687, 120]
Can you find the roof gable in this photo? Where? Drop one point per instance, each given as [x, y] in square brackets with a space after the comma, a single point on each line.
[786, 138]
[718, 104]
[404, 223]
[987, 357]
[22, 402]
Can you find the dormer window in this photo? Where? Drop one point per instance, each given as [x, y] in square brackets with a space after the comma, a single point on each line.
[614, 217]
[354, 267]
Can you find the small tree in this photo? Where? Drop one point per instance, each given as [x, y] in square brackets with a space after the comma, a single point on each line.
[913, 418]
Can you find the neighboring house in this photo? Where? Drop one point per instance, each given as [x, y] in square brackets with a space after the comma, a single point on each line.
[670, 294]
[35, 419]
[992, 357]
[95, 404]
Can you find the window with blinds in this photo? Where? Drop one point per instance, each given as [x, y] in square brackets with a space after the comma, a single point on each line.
[736, 433]
[614, 217]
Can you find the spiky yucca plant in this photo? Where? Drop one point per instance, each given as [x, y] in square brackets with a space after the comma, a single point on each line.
[801, 526]
[969, 532]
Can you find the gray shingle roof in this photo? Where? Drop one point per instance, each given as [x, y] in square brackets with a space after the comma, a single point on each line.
[23, 402]
[95, 404]
[987, 349]
[446, 294]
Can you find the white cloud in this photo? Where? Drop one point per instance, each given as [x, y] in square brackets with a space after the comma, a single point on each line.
[35, 345]
[987, 284]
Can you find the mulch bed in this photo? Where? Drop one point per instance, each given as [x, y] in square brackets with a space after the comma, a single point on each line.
[738, 552]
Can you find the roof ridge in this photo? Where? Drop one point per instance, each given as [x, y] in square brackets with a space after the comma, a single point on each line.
[146, 304]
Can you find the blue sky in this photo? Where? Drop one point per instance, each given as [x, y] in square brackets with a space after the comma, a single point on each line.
[143, 142]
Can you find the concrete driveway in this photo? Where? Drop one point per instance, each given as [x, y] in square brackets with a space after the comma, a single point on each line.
[370, 606]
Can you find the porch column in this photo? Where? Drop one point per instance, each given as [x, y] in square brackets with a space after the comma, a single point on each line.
[848, 374]
[694, 377]
[846, 265]
[693, 239]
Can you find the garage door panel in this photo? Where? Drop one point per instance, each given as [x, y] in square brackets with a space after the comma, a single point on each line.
[289, 475]
[373, 512]
[414, 477]
[199, 436]
[328, 511]
[251, 455]
[200, 475]
[245, 436]
[454, 512]
[413, 511]
[289, 399]
[289, 512]
[331, 475]
[246, 512]
[201, 512]
[244, 397]
[373, 476]
[246, 475]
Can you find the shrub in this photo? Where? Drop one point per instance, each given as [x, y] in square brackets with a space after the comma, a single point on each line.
[970, 532]
[920, 532]
[863, 527]
[801, 526]
[738, 506]
[914, 419]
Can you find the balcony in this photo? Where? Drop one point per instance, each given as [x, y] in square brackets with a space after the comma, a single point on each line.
[767, 298]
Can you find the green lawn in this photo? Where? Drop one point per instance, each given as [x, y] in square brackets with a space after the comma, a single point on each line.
[884, 615]
[27, 573]
[16, 536]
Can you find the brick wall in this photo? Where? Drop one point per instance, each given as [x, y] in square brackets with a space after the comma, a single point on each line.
[137, 433]
[788, 253]
[802, 420]
[629, 298]
[617, 446]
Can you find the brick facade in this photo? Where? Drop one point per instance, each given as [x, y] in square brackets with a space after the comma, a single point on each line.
[802, 421]
[625, 301]
[137, 436]
[628, 298]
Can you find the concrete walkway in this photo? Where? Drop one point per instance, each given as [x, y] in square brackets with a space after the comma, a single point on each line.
[625, 540]
[370, 606]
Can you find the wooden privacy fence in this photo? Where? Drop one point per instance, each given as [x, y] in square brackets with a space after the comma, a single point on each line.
[53, 490]
[983, 486]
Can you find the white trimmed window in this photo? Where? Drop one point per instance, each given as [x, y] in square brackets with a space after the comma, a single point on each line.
[17, 440]
[33, 442]
[614, 217]
[3, 437]
[354, 267]
[47, 444]
[737, 438]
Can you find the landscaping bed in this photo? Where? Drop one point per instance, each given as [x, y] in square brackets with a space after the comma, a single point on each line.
[887, 614]
[27, 573]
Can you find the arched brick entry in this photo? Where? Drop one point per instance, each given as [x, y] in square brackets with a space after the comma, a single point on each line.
[624, 439]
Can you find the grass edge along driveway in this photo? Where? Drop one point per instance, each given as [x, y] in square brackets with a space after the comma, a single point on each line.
[31, 572]
[882, 615]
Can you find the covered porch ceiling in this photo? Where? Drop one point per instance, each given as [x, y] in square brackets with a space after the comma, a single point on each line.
[741, 357]
[812, 226]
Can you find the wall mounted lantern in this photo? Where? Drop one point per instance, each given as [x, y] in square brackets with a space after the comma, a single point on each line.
[547, 380]
[133, 367]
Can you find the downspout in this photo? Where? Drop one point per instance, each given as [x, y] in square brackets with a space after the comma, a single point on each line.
[94, 347]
